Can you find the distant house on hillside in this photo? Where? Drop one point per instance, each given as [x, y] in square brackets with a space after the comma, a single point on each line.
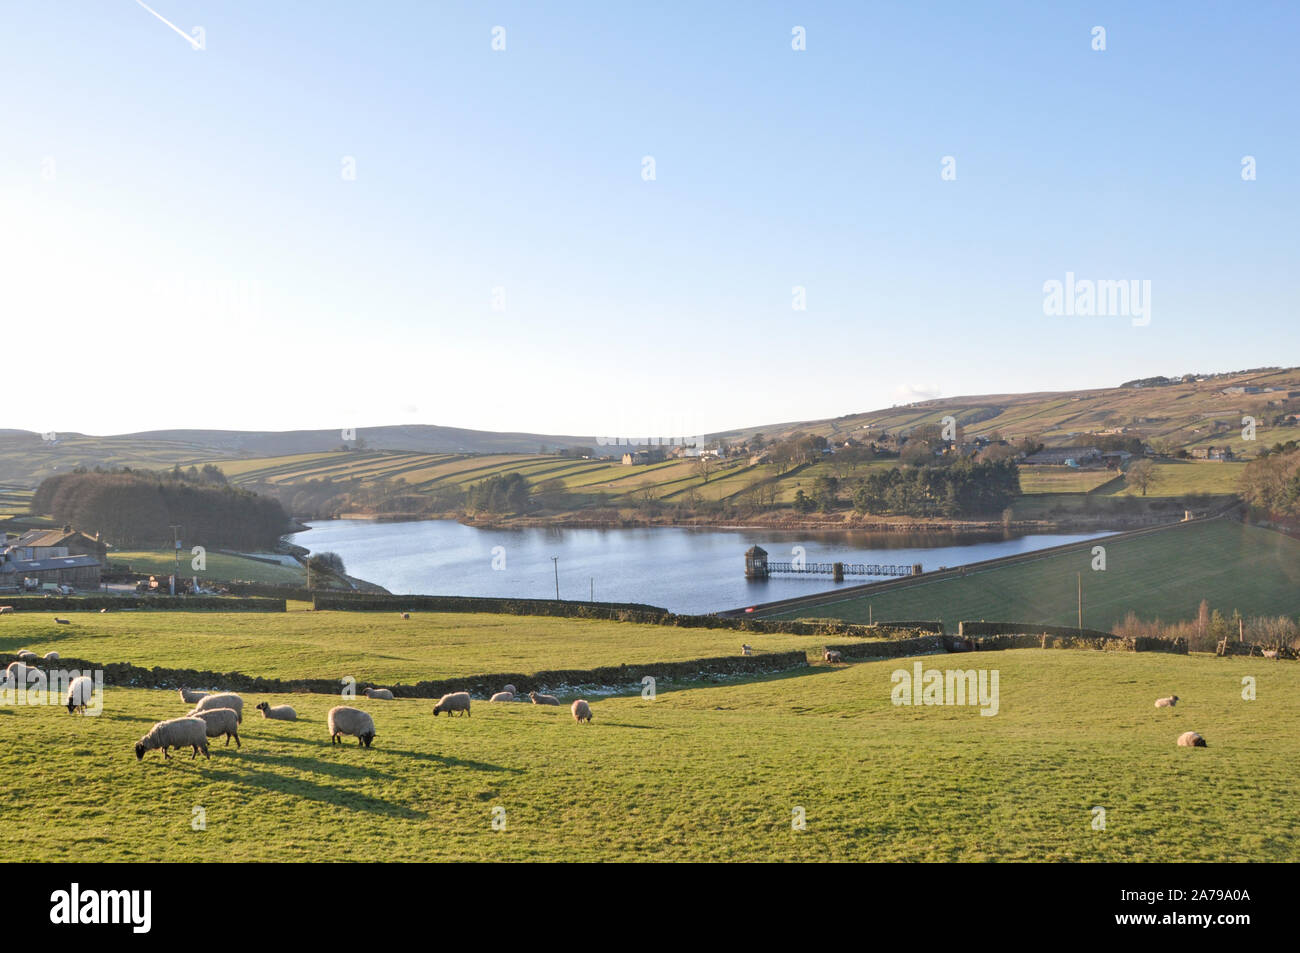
[642, 456]
[1212, 453]
[64, 557]
[1065, 456]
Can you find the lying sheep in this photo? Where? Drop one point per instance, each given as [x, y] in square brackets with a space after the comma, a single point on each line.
[453, 701]
[543, 699]
[176, 733]
[503, 697]
[351, 721]
[25, 654]
[1190, 739]
[51, 656]
[62, 621]
[581, 712]
[189, 696]
[221, 700]
[80, 691]
[383, 693]
[510, 688]
[221, 721]
[831, 655]
[1169, 702]
[746, 649]
[278, 712]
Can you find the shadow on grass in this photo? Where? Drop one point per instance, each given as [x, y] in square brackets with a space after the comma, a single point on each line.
[413, 755]
[311, 791]
[318, 765]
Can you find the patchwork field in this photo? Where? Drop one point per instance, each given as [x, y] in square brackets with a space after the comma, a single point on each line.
[221, 567]
[1164, 574]
[703, 772]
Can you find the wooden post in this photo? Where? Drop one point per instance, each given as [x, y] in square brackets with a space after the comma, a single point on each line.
[1080, 577]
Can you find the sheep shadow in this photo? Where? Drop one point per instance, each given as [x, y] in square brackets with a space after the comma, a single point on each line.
[317, 765]
[10, 645]
[311, 791]
[413, 755]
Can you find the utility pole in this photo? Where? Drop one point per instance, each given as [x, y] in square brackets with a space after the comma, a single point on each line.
[556, 561]
[593, 588]
[1079, 575]
[176, 549]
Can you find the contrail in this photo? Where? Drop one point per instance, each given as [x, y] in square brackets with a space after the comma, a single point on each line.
[191, 39]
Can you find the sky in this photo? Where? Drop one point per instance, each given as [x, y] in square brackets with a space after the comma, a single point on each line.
[343, 214]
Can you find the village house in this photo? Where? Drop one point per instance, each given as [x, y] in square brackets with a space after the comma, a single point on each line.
[1212, 453]
[642, 456]
[1065, 457]
[63, 557]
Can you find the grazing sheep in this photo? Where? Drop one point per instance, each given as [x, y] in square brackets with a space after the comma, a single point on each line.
[51, 656]
[6, 610]
[1190, 739]
[453, 701]
[221, 721]
[175, 733]
[543, 699]
[17, 672]
[503, 697]
[1169, 702]
[62, 621]
[222, 700]
[831, 655]
[280, 712]
[510, 688]
[383, 693]
[351, 721]
[406, 615]
[1270, 653]
[79, 693]
[746, 649]
[26, 654]
[190, 697]
[581, 712]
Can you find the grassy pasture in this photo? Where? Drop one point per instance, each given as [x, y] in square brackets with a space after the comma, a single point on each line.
[221, 567]
[1035, 479]
[1183, 477]
[1163, 574]
[704, 772]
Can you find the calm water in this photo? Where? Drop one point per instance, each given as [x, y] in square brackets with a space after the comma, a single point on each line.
[686, 570]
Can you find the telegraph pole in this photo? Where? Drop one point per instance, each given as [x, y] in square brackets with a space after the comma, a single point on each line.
[556, 561]
[176, 550]
[1079, 575]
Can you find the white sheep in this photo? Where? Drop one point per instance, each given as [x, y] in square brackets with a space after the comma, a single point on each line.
[381, 693]
[79, 694]
[452, 701]
[175, 733]
[831, 655]
[746, 649]
[543, 699]
[351, 721]
[502, 697]
[279, 712]
[1169, 702]
[25, 654]
[1270, 653]
[1190, 739]
[221, 700]
[221, 721]
[16, 673]
[510, 688]
[581, 712]
[189, 696]
[51, 656]
[406, 615]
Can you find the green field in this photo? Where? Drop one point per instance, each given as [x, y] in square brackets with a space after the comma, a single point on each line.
[373, 646]
[221, 567]
[1164, 574]
[1183, 477]
[704, 772]
[1042, 479]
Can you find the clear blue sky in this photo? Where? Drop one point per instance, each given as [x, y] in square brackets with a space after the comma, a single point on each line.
[193, 255]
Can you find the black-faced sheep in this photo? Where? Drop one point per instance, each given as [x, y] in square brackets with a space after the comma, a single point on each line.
[351, 721]
[221, 721]
[1168, 702]
[1190, 739]
[79, 694]
[176, 733]
[581, 712]
[543, 699]
[278, 712]
[380, 693]
[63, 621]
[221, 700]
[453, 701]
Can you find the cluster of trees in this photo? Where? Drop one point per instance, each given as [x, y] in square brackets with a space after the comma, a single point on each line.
[1271, 484]
[797, 450]
[500, 493]
[136, 508]
[965, 488]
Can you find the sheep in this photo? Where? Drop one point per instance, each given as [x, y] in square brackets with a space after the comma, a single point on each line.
[17, 672]
[510, 688]
[26, 654]
[6, 610]
[175, 733]
[51, 656]
[222, 700]
[831, 655]
[1169, 702]
[581, 712]
[502, 697]
[746, 649]
[1270, 653]
[190, 697]
[279, 712]
[221, 721]
[80, 691]
[62, 621]
[543, 699]
[351, 721]
[453, 701]
[1190, 739]
[406, 615]
[384, 693]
